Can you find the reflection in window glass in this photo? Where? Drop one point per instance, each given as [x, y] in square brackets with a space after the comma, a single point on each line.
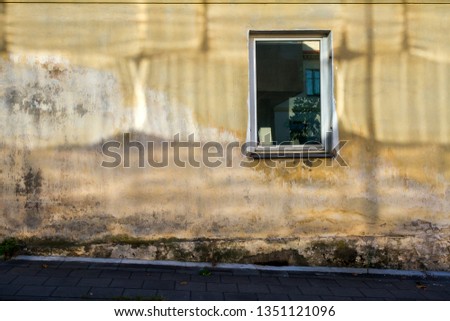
[288, 92]
[312, 82]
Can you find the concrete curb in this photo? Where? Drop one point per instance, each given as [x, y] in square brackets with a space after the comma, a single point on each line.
[235, 266]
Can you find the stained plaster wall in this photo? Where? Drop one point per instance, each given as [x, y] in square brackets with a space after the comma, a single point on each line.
[76, 75]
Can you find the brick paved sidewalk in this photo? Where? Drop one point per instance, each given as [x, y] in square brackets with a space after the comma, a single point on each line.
[71, 280]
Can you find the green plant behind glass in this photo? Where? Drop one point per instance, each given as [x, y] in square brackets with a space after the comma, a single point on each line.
[304, 124]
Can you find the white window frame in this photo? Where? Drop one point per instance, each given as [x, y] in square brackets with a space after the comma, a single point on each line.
[329, 132]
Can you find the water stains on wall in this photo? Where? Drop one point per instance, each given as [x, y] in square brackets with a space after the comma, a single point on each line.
[76, 76]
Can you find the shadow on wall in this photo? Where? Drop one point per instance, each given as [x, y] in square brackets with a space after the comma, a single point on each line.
[165, 69]
[186, 57]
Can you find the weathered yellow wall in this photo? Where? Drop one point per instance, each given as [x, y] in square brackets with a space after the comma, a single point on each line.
[74, 75]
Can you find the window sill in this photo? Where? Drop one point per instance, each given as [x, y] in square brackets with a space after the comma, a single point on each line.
[286, 153]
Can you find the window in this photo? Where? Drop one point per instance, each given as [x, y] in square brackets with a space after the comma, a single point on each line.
[312, 82]
[291, 94]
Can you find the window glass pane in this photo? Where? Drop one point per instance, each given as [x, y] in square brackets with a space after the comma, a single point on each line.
[316, 82]
[309, 82]
[288, 92]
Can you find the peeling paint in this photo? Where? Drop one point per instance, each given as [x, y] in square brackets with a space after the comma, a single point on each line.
[155, 71]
